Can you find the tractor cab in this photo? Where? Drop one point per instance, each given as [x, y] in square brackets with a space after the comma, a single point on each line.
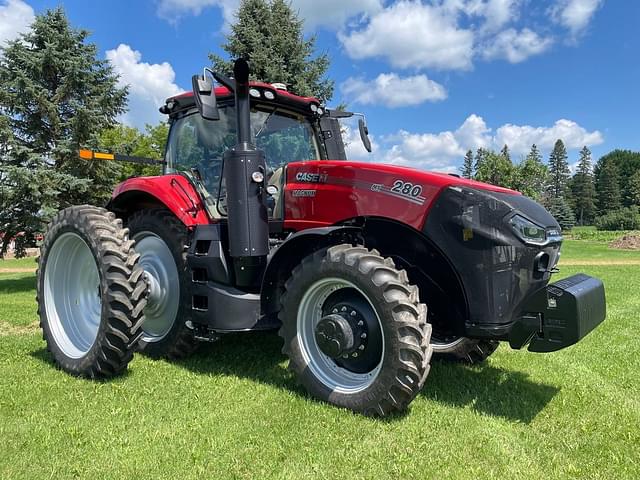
[286, 127]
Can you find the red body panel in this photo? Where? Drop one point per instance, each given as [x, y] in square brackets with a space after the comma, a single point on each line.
[322, 193]
[174, 191]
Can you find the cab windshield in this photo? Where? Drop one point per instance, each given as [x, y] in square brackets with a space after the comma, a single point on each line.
[196, 145]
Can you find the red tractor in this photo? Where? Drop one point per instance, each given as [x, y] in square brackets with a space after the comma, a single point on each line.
[259, 222]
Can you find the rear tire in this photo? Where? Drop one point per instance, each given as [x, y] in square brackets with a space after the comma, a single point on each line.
[463, 350]
[161, 241]
[380, 295]
[90, 292]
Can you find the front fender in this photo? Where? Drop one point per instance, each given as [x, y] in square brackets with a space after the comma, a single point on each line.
[297, 246]
[175, 192]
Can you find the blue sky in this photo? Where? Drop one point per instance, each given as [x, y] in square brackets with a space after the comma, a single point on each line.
[434, 77]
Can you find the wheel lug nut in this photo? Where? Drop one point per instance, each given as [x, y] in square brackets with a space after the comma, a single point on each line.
[363, 335]
[360, 323]
[353, 313]
[344, 309]
[335, 310]
[354, 354]
[361, 347]
[345, 356]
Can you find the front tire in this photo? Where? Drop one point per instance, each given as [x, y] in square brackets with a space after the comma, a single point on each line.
[462, 349]
[161, 240]
[354, 330]
[90, 292]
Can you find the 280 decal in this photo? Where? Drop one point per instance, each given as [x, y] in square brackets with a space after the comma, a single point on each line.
[406, 188]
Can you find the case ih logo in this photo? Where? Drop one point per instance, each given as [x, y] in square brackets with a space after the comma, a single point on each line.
[311, 177]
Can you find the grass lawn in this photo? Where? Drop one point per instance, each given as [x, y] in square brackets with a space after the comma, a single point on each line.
[233, 411]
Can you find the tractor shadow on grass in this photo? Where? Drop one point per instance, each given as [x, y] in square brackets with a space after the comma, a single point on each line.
[18, 285]
[489, 390]
[253, 355]
[493, 391]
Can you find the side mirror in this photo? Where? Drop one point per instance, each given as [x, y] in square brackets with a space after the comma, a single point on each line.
[205, 97]
[364, 134]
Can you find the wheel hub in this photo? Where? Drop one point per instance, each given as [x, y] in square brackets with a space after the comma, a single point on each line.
[335, 336]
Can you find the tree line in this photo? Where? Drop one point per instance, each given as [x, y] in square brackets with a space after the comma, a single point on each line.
[607, 194]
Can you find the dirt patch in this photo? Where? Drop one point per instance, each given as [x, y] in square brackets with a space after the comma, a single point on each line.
[7, 329]
[627, 242]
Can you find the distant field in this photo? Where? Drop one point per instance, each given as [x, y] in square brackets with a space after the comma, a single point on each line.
[233, 411]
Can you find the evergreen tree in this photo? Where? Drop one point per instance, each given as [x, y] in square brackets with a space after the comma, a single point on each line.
[584, 190]
[505, 153]
[559, 172]
[634, 188]
[561, 211]
[627, 163]
[608, 187]
[467, 166]
[481, 156]
[532, 175]
[270, 35]
[55, 97]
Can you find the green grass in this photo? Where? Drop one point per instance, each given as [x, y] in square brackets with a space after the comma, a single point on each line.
[578, 250]
[29, 262]
[233, 410]
[592, 233]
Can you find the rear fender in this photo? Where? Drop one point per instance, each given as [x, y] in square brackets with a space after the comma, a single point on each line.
[174, 192]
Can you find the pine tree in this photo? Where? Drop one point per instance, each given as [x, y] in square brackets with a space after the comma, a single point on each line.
[559, 172]
[505, 153]
[584, 190]
[270, 35]
[481, 156]
[532, 175]
[608, 187]
[467, 166]
[561, 211]
[55, 97]
[634, 188]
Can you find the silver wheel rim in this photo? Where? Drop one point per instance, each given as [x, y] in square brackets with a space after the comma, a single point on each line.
[322, 366]
[164, 285]
[442, 346]
[72, 295]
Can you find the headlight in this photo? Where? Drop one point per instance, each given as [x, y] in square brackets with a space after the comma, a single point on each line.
[527, 230]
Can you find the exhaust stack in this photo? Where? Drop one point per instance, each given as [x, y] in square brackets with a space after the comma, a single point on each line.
[245, 174]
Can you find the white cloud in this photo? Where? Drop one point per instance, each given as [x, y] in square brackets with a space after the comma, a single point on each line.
[332, 14]
[515, 46]
[393, 91]
[520, 137]
[15, 17]
[149, 84]
[444, 151]
[495, 13]
[409, 34]
[173, 10]
[575, 14]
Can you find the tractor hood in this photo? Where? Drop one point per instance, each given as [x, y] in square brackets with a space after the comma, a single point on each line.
[331, 191]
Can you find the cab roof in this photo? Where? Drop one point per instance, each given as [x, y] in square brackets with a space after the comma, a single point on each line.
[185, 100]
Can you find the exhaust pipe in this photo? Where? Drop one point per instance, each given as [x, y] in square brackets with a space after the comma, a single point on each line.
[245, 176]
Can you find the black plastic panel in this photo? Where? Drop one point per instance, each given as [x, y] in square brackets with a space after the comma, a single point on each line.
[498, 270]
